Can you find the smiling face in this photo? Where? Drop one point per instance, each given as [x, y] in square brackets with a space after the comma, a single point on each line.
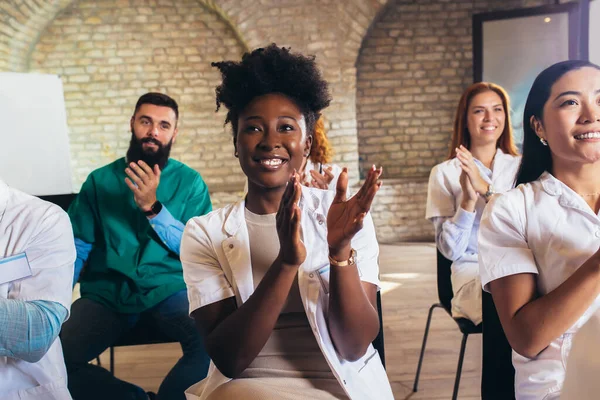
[571, 118]
[271, 140]
[486, 118]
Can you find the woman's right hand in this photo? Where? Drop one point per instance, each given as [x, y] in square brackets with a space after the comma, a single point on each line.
[469, 194]
[289, 229]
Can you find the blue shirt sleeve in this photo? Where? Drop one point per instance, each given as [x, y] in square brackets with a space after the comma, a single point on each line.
[168, 229]
[28, 328]
[453, 234]
[83, 251]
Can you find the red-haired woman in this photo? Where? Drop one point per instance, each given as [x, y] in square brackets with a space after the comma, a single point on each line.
[483, 160]
[317, 170]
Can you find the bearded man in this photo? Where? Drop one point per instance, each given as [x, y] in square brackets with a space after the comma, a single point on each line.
[127, 221]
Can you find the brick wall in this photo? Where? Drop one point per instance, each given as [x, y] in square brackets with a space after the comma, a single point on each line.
[393, 103]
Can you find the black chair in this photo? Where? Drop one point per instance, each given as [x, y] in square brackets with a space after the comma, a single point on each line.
[61, 200]
[445, 294]
[378, 343]
[498, 373]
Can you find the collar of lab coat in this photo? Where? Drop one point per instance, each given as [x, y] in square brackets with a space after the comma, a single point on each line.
[567, 197]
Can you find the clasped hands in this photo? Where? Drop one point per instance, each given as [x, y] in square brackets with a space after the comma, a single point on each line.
[471, 182]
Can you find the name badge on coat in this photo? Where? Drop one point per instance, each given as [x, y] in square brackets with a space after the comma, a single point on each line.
[13, 268]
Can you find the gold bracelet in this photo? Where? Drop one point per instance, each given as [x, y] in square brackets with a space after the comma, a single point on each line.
[350, 261]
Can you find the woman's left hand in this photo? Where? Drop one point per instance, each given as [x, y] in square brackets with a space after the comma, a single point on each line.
[467, 163]
[345, 217]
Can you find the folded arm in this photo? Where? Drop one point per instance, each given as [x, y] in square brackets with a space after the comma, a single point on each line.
[28, 328]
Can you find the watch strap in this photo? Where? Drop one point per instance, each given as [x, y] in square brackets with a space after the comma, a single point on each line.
[349, 261]
[154, 209]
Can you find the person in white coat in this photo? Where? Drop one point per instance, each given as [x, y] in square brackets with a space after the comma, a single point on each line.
[37, 255]
[539, 243]
[483, 160]
[283, 283]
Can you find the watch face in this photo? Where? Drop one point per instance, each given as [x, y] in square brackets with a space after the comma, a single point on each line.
[156, 207]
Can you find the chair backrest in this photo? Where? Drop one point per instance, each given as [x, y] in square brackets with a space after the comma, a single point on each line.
[378, 343]
[61, 200]
[498, 374]
[444, 283]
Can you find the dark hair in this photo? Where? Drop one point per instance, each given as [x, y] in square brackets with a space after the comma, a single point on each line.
[461, 134]
[157, 99]
[272, 70]
[536, 157]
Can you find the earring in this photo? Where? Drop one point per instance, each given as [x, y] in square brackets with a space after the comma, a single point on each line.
[544, 142]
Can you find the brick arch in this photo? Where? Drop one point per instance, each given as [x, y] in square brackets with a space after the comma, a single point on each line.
[23, 24]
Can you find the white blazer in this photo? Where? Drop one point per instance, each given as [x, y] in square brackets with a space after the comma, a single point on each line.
[215, 254]
[41, 231]
[542, 228]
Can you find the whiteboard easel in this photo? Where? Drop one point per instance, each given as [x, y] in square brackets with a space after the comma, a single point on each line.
[34, 140]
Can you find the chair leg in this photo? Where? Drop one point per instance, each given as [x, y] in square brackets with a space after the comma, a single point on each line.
[98, 361]
[461, 357]
[433, 307]
[112, 360]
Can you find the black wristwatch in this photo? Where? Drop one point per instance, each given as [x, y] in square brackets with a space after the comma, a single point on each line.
[154, 210]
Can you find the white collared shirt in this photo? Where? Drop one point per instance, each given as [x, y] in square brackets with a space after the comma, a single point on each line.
[547, 229]
[215, 254]
[456, 229]
[43, 232]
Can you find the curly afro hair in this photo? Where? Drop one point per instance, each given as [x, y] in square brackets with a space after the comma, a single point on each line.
[267, 70]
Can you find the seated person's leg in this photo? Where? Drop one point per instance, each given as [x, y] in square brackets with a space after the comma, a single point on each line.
[172, 318]
[466, 302]
[90, 330]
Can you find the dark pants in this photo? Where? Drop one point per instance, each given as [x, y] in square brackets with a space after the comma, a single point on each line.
[92, 328]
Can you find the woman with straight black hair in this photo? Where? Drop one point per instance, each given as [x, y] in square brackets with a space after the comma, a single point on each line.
[539, 243]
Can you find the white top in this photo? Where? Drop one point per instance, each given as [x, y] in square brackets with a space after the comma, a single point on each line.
[215, 255]
[43, 232]
[583, 364]
[547, 229]
[263, 252]
[456, 228]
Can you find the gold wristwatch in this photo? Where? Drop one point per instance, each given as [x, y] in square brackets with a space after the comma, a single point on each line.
[350, 261]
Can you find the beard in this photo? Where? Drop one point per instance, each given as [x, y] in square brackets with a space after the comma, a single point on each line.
[160, 156]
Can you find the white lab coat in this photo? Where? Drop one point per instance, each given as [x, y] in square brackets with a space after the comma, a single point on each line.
[215, 254]
[43, 232]
[543, 228]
